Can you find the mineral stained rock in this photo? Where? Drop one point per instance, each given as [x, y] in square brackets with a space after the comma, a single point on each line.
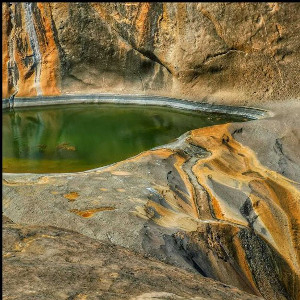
[223, 52]
[205, 203]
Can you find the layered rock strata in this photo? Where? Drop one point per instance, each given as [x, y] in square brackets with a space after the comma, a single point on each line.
[217, 52]
[206, 203]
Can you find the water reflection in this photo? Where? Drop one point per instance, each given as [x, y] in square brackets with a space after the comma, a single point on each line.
[31, 134]
[80, 137]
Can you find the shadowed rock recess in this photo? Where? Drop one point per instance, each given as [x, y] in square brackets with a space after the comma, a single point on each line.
[213, 215]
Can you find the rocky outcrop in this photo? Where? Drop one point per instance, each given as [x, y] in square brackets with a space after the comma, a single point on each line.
[206, 203]
[42, 262]
[241, 53]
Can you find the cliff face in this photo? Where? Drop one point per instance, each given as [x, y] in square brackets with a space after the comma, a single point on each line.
[226, 52]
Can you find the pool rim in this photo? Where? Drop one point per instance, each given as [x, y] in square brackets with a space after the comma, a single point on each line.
[251, 113]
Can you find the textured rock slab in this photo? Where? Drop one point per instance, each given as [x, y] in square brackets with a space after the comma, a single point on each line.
[52, 263]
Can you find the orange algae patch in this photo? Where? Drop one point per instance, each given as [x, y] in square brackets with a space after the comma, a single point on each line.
[71, 196]
[90, 212]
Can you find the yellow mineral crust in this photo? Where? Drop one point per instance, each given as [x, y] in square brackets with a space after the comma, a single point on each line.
[242, 193]
[274, 200]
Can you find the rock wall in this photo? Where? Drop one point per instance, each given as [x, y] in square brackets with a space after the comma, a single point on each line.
[238, 53]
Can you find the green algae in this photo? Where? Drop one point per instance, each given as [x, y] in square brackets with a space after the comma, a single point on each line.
[71, 138]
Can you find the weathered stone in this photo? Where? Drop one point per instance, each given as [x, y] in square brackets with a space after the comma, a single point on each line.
[241, 53]
[51, 263]
[222, 201]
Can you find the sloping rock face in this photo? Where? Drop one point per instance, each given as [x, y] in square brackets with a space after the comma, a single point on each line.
[52, 263]
[241, 53]
[207, 203]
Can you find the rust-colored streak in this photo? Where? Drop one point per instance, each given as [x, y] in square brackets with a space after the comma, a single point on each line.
[26, 83]
[50, 56]
[5, 56]
[90, 212]
[100, 9]
[141, 21]
[217, 209]
[16, 36]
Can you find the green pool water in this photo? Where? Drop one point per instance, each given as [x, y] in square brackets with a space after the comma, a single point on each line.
[74, 138]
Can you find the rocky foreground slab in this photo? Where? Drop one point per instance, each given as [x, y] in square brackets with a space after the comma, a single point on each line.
[45, 262]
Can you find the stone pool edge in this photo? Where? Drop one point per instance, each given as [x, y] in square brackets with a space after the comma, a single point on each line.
[187, 105]
[249, 112]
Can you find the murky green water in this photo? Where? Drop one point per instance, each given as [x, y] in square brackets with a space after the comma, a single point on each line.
[80, 137]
